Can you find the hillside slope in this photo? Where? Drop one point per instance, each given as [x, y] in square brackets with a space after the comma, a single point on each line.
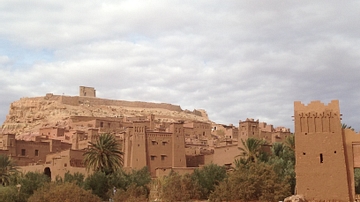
[27, 115]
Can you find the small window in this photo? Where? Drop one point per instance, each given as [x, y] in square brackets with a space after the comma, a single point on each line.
[152, 158]
[163, 156]
[321, 158]
[36, 152]
[101, 124]
[23, 152]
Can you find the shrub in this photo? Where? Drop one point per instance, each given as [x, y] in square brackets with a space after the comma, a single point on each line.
[208, 177]
[132, 194]
[67, 192]
[257, 181]
[175, 187]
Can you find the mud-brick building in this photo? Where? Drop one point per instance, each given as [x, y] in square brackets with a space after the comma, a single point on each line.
[30, 152]
[326, 154]
[197, 129]
[104, 124]
[52, 132]
[59, 163]
[260, 130]
[154, 149]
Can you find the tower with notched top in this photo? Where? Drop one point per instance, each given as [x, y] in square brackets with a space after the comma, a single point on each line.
[321, 167]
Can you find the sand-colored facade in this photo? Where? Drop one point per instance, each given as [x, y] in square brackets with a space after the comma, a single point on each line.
[251, 128]
[30, 152]
[154, 149]
[326, 154]
[160, 142]
[59, 163]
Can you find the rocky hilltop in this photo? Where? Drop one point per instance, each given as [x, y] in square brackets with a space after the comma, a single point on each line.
[28, 115]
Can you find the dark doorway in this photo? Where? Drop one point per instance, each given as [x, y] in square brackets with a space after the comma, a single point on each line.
[47, 172]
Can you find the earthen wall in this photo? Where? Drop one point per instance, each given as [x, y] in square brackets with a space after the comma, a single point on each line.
[224, 155]
[75, 101]
[159, 150]
[321, 167]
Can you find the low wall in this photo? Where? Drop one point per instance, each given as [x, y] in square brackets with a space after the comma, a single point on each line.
[76, 100]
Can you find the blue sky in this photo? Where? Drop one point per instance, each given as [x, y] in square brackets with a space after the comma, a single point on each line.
[23, 57]
[235, 59]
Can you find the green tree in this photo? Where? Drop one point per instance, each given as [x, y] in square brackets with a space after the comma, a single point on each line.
[104, 155]
[290, 142]
[8, 193]
[140, 177]
[77, 178]
[133, 185]
[175, 187]
[357, 180]
[283, 161]
[102, 184]
[254, 182]
[31, 182]
[66, 192]
[208, 177]
[7, 168]
[251, 149]
[98, 183]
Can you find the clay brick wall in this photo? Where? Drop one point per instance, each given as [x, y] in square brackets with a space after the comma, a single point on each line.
[138, 151]
[265, 135]
[195, 160]
[33, 151]
[321, 172]
[248, 128]
[68, 100]
[109, 126]
[59, 163]
[265, 127]
[75, 101]
[52, 132]
[279, 136]
[178, 145]
[224, 155]
[201, 130]
[352, 148]
[159, 150]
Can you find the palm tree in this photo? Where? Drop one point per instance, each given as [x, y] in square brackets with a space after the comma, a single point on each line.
[290, 142]
[251, 149]
[104, 155]
[7, 168]
[277, 149]
[345, 126]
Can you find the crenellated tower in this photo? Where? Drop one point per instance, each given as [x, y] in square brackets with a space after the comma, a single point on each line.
[321, 169]
[178, 145]
[138, 145]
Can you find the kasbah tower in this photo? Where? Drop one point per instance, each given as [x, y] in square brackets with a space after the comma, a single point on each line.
[324, 168]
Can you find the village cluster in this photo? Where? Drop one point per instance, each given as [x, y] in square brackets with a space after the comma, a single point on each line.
[326, 154]
[180, 145]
